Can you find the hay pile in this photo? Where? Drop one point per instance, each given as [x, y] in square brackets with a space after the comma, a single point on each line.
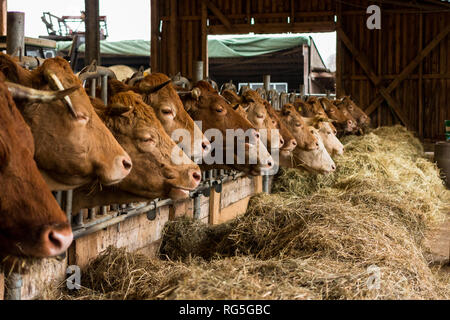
[316, 237]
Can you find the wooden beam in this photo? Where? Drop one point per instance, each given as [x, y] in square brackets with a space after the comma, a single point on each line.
[297, 27]
[214, 207]
[407, 4]
[219, 14]
[339, 88]
[3, 17]
[420, 83]
[205, 41]
[410, 68]
[92, 22]
[173, 39]
[438, 3]
[155, 44]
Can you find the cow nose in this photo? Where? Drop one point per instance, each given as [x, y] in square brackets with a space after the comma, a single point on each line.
[127, 164]
[293, 143]
[333, 167]
[56, 240]
[197, 176]
[281, 142]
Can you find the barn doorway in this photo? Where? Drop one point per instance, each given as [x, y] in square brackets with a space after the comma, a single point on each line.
[301, 62]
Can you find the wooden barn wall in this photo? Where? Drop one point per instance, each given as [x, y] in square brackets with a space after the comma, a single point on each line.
[422, 96]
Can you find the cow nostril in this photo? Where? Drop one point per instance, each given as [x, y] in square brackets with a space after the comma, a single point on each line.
[57, 241]
[257, 135]
[126, 164]
[281, 142]
[293, 142]
[205, 145]
[333, 167]
[317, 144]
[197, 176]
[269, 163]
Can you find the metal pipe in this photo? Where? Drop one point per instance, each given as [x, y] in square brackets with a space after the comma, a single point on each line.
[15, 35]
[197, 207]
[265, 183]
[93, 87]
[13, 284]
[105, 89]
[69, 198]
[198, 71]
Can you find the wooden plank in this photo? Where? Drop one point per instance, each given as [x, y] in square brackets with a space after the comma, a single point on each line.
[214, 207]
[234, 210]
[409, 68]
[258, 184]
[420, 83]
[219, 14]
[3, 15]
[339, 89]
[2, 285]
[173, 39]
[155, 43]
[204, 40]
[299, 27]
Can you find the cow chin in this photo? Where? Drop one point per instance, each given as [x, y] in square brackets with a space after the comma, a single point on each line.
[178, 194]
[55, 184]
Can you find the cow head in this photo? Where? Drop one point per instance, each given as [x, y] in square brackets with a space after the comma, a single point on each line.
[344, 122]
[161, 169]
[306, 140]
[31, 222]
[289, 140]
[73, 146]
[327, 133]
[316, 161]
[170, 111]
[356, 112]
[205, 104]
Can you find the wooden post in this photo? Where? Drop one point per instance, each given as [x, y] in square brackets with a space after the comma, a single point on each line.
[258, 184]
[420, 83]
[204, 41]
[214, 207]
[92, 23]
[3, 17]
[15, 39]
[2, 286]
[173, 52]
[339, 89]
[155, 44]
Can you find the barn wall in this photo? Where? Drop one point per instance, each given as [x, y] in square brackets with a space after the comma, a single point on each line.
[423, 95]
[405, 31]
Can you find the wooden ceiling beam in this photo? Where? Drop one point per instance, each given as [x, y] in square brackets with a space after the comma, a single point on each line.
[211, 6]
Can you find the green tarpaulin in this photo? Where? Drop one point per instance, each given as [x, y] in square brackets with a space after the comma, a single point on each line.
[218, 47]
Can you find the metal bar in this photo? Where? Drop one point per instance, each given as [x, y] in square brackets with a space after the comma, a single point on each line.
[69, 198]
[13, 290]
[265, 181]
[93, 87]
[105, 89]
[79, 218]
[197, 207]
[15, 35]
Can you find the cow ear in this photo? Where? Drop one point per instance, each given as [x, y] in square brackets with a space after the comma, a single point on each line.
[13, 71]
[235, 107]
[4, 153]
[117, 109]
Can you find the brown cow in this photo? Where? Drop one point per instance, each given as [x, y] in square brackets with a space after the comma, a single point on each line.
[258, 116]
[315, 160]
[327, 133]
[344, 121]
[170, 111]
[298, 128]
[361, 118]
[155, 174]
[73, 146]
[31, 222]
[205, 104]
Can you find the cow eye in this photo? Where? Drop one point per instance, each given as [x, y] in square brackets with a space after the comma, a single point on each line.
[312, 131]
[298, 124]
[82, 118]
[335, 132]
[329, 132]
[166, 111]
[332, 111]
[147, 139]
[219, 110]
